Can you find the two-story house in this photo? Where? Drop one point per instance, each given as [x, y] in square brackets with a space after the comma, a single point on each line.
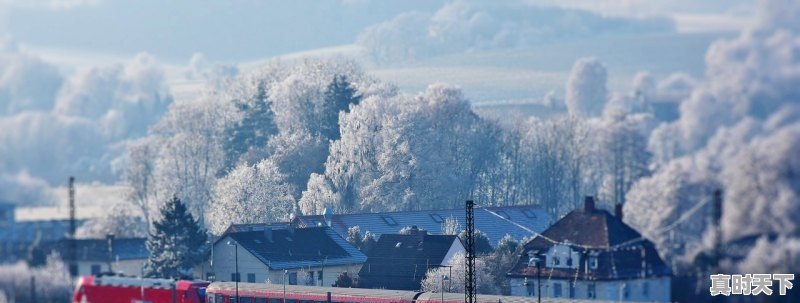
[591, 254]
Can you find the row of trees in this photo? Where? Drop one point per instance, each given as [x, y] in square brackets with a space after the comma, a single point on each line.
[319, 134]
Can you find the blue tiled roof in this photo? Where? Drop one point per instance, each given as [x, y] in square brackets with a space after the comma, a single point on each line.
[301, 247]
[531, 217]
[97, 249]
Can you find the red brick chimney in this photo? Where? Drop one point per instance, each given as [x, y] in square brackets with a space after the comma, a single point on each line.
[588, 204]
[618, 211]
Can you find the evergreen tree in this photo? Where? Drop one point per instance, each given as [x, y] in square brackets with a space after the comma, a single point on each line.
[482, 245]
[248, 137]
[338, 97]
[176, 242]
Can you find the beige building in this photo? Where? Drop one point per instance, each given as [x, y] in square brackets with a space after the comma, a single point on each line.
[110, 255]
[296, 256]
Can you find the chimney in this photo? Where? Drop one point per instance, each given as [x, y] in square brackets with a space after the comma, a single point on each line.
[618, 211]
[588, 204]
[419, 233]
[328, 216]
[268, 233]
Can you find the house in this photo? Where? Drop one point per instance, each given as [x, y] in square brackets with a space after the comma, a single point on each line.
[274, 254]
[400, 262]
[494, 222]
[125, 256]
[19, 232]
[591, 254]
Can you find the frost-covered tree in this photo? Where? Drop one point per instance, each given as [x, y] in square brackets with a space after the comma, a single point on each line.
[190, 152]
[485, 281]
[253, 124]
[176, 243]
[343, 280]
[586, 88]
[338, 98]
[405, 153]
[354, 236]
[139, 176]
[120, 220]
[482, 244]
[450, 226]
[53, 282]
[623, 149]
[250, 194]
[503, 259]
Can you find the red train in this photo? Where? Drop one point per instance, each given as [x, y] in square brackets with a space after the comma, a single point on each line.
[112, 289]
[117, 289]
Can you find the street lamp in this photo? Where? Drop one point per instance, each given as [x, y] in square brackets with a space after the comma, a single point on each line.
[236, 257]
[533, 256]
[285, 272]
[444, 278]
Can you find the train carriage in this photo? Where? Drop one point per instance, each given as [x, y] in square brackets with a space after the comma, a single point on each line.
[118, 289]
[225, 292]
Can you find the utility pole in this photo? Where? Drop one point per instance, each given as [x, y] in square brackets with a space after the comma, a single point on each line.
[73, 255]
[469, 289]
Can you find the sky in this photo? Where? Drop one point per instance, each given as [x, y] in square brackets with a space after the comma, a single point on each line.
[73, 71]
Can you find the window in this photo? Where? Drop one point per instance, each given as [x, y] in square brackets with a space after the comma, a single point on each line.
[531, 289]
[210, 276]
[590, 291]
[646, 289]
[311, 277]
[319, 275]
[274, 300]
[625, 291]
[235, 277]
[218, 298]
[292, 278]
[528, 213]
[557, 290]
[246, 299]
[95, 269]
[437, 218]
[593, 262]
[503, 213]
[211, 299]
[572, 289]
[232, 299]
[251, 278]
[556, 261]
[389, 220]
[261, 300]
[569, 261]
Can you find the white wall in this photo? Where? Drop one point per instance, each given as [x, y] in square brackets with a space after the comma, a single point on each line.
[457, 247]
[640, 290]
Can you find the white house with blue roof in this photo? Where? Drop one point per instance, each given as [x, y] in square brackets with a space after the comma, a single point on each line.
[274, 254]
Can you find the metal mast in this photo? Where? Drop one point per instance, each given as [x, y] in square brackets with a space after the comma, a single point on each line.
[72, 249]
[469, 290]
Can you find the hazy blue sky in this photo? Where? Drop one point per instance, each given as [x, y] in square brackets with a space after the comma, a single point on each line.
[240, 30]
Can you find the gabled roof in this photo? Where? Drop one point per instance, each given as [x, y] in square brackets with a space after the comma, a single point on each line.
[495, 222]
[97, 249]
[619, 248]
[296, 248]
[401, 261]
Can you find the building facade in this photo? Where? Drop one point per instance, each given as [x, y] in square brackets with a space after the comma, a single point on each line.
[400, 262]
[296, 256]
[591, 254]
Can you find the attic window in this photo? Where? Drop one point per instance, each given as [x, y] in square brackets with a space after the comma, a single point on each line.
[504, 214]
[389, 220]
[398, 244]
[257, 241]
[289, 239]
[437, 218]
[528, 213]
